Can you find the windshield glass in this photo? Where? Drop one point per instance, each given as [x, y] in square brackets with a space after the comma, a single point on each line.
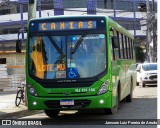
[67, 57]
[148, 67]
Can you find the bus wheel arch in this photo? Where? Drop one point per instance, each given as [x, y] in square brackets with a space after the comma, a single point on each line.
[114, 109]
[130, 95]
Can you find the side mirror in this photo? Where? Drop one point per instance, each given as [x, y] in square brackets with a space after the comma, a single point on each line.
[138, 70]
[115, 41]
[18, 46]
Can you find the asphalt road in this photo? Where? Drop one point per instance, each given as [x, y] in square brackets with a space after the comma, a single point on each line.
[143, 106]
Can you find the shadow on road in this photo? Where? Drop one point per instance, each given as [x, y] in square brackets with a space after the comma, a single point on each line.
[139, 108]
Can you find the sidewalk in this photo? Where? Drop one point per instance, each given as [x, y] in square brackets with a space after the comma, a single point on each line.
[8, 108]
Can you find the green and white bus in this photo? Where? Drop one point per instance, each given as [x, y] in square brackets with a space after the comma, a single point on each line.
[78, 62]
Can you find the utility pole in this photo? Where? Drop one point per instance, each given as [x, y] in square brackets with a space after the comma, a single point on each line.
[148, 34]
[154, 26]
[151, 43]
[32, 4]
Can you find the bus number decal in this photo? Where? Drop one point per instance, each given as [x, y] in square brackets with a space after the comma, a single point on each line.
[85, 90]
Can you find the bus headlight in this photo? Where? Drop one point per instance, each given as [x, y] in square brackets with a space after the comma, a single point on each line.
[32, 90]
[103, 88]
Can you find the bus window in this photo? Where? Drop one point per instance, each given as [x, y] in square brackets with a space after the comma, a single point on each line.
[90, 57]
[112, 49]
[128, 48]
[114, 44]
[124, 47]
[121, 45]
[116, 48]
[131, 48]
[126, 42]
[118, 45]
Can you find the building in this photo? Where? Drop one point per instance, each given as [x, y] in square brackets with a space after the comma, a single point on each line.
[13, 20]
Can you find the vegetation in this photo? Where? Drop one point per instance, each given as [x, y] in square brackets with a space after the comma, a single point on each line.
[140, 54]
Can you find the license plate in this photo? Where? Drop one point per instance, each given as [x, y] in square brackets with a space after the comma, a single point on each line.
[66, 102]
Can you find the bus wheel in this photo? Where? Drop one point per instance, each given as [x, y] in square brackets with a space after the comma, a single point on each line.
[115, 108]
[129, 97]
[52, 113]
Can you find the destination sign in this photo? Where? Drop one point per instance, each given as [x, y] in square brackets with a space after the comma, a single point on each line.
[67, 25]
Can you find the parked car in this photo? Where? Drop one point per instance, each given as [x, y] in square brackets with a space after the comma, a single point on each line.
[147, 74]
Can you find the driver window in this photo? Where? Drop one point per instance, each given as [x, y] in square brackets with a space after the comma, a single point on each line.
[114, 51]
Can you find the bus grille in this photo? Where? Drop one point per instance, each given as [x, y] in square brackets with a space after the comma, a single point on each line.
[51, 84]
[77, 104]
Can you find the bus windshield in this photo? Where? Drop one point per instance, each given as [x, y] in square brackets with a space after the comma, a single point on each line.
[68, 56]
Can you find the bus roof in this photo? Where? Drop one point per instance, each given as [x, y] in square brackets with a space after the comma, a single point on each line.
[67, 16]
[110, 21]
[119, 28]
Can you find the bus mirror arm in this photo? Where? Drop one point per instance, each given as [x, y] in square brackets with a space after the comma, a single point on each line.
[115, 41]
[18, 46]
[138, 70]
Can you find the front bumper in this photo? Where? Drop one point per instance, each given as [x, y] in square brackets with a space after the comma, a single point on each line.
[86, 102]
[150, 79]
[150, 82]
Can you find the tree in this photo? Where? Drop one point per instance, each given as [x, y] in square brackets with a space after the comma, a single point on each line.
[140, 54]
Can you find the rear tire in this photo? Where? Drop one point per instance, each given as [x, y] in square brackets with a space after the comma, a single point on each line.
[52, 113]
[129, 97]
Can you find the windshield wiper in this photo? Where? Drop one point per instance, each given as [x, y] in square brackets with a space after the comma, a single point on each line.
[78, 43]
[55, 45]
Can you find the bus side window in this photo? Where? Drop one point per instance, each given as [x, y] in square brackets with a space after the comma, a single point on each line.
[131, 48]
[112, 50]
[114, 44]
[121, 45]
[124, 47]
[128, 48]
[119, 52]
[111, 46]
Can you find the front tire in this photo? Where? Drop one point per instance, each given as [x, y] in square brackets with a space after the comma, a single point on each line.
[52, 113]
